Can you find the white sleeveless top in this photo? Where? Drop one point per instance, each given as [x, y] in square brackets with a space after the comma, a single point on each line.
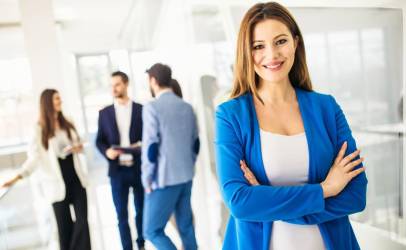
[286, 162]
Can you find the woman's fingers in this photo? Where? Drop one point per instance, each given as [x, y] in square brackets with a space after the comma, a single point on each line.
[341, 153]
[243, 166]
[245, 169]
[248, 177]
[350, 157]
[356, 172]
[251, 179]
[248, 174]
[350, 166]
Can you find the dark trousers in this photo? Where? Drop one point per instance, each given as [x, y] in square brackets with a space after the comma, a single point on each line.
[72, 235]
[121, 182]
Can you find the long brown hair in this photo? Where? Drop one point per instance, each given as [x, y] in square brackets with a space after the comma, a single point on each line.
[47, 118]
[245, 78]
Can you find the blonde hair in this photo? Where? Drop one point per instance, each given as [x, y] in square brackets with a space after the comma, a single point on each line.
[245, 78]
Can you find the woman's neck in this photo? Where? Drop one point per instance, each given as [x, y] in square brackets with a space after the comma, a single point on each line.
[277, 92]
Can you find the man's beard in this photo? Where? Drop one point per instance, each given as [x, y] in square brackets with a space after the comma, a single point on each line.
[119, 95]
[152, 92]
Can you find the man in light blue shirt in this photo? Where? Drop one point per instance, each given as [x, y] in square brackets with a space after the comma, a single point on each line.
[170, 147]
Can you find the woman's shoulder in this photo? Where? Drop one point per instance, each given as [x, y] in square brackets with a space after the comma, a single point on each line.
[323, 100]
[315, 95]
[237, 105]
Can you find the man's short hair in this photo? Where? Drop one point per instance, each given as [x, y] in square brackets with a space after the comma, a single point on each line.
[162, 73]
[121, 74]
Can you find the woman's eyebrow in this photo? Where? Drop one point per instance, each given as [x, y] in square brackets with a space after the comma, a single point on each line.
[276, 37]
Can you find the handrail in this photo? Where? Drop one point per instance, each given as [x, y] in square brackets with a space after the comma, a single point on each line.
[386, 129]
[4, 191]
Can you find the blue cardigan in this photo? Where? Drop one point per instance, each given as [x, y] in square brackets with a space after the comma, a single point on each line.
[254, 208]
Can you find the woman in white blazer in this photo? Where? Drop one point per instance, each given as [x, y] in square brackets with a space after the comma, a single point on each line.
[56, 152]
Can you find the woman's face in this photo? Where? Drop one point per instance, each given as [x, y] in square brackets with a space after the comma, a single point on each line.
[273, 50]
[57, 102]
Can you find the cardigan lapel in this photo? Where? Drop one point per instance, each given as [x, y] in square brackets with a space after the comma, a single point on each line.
[306, 111]
[256, 152]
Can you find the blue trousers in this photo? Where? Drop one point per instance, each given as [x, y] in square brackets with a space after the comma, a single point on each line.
[123, 180]
[159, 205]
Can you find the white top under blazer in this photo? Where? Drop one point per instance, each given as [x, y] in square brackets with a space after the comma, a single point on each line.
[286, 162]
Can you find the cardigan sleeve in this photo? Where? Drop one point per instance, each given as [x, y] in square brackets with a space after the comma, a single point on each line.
[257, 203]
[33, 153]
[353, 197]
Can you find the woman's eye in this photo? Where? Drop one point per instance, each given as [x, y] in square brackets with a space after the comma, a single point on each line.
[260, 46]
[282, 41]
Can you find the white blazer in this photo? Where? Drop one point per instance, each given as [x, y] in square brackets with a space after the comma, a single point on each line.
[49, 171]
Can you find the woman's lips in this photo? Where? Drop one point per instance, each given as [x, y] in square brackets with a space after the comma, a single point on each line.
[274, 66]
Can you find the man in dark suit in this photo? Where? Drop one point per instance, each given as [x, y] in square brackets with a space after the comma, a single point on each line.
[118, 139]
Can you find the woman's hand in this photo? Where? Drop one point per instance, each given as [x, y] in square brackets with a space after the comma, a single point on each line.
[248, 174]
[12, 181]
[77, 149]
[341, 173]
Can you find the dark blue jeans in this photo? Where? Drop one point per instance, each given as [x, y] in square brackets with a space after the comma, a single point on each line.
[123, 180]
[159, 205]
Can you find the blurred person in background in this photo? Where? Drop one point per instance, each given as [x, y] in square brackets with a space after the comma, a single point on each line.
[118, 140]
[57, 153]
[170, 147]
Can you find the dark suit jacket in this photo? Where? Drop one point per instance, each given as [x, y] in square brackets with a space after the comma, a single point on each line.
[108, 135]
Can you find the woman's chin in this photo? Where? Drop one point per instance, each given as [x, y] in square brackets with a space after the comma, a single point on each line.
[274, 78]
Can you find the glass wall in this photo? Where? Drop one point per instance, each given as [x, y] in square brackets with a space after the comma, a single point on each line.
[360, 64]
[94, 73]
[16, 99]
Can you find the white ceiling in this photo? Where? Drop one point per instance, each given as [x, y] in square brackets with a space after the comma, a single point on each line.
[100, 25]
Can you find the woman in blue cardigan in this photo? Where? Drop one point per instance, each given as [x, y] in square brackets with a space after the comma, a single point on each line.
[288, 166]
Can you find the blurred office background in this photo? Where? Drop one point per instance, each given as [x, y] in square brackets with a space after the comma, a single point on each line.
[355, 51]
